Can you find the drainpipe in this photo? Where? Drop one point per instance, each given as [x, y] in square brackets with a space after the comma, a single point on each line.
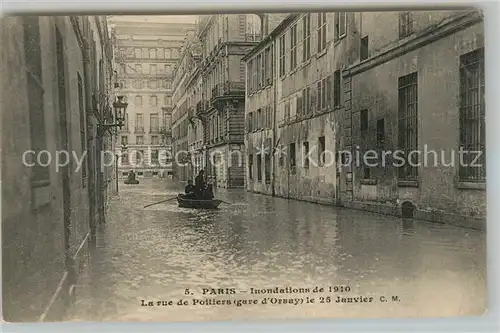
[275, 102]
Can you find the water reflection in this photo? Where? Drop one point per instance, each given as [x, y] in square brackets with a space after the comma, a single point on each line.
[260, 242]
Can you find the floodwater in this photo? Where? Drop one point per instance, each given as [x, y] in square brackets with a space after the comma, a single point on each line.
[260, 242]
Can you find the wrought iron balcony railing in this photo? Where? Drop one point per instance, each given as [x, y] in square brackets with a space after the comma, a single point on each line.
[228, 89]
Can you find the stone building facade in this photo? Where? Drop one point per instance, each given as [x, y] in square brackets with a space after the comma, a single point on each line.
[186, 93]
[346, 86]
[147, 50]
[293, 103]
[224, 41]
[417, 85]
[56, 90]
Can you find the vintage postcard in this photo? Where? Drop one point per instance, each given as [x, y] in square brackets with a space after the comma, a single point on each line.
[243, 166]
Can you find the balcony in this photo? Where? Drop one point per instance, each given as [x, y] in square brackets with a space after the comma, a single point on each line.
[139, 129]
[154, 130]
[228, 89]
[202, 106]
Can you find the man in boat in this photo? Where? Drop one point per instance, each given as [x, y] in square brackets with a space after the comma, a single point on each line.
[190, 190]
[199, 184]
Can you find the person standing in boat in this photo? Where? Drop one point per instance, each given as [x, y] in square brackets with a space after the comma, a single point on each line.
[199, 183]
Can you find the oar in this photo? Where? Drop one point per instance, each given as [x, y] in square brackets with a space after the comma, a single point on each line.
[229, 203]
[159, 202]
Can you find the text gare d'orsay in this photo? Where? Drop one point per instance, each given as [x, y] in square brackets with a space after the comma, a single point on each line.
[271, 296]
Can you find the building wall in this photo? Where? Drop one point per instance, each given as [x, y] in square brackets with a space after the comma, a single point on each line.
[360, 67]
[436, 193]
[40, 260]
[298, 120]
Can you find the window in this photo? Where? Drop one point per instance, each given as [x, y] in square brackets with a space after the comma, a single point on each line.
[154, 156]
[306, 101]
[472, 117]
[293, 47]
[124, 140]
[363, 120]
[255, 72]
[250, 123]
[267, 167]
[282, 55]
[83, 128]
[321, 150]
[40, 175]
[336, 88]
[322, 93]
[153, 69]
[408, 131]
[269, 65]
[405, 24]
[139, 122]
[259, 119]
[153, 101]
[138, 68]
[167, 100]
[139, 156]
[124, 159]
[340, 25]
[154, 122]
[139, 140]
[138, 53]
[153, 84]
[137, 84]
[380, 132]
[292, 157]
[305, 149]
[249, 75]
[306, 32]
[152, 53]
[168, 54]
[363, 52]
[138, 100]
[250, 166]
[287, 110]
[258, 72]
[259, 167]
[321, 32]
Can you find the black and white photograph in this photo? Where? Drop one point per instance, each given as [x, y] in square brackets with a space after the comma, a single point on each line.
[243, 166]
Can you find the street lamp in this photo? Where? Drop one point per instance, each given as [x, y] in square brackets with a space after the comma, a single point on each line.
[119, 107]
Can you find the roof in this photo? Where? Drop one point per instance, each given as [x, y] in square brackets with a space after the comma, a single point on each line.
[272, 35]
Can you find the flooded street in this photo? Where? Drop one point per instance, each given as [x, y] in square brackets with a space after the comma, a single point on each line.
[261, 242]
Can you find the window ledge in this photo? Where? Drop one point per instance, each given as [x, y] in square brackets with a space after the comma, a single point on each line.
[321, 53]
[408, 183]
[368, 182]
[471, 186]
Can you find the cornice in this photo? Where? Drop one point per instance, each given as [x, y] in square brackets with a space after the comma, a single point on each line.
[446, 28]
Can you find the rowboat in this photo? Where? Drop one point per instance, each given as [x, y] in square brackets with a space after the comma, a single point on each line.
[131, 182]
[195, 203]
